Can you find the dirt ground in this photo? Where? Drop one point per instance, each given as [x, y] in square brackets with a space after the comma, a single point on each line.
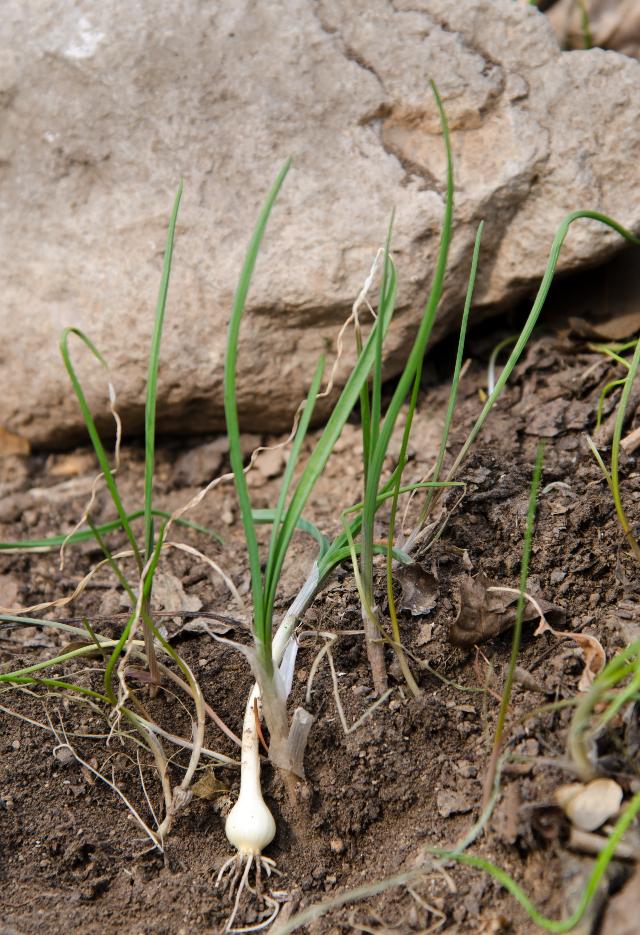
[73, 861]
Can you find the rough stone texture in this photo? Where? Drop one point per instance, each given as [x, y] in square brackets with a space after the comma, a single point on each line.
[105, 106]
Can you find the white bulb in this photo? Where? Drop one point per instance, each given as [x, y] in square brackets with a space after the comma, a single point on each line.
[250, 826]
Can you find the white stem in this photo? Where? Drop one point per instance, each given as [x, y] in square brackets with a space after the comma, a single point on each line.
[305, 596]
[250, 756]
[250, 826]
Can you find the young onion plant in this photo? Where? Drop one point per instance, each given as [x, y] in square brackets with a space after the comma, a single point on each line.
[122, 701]
[618, 684]
[144, 557]
[250, 826]
[612, 475]
[377, 432]
[422, 528]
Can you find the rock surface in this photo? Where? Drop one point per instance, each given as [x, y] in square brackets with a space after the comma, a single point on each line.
[105, 106]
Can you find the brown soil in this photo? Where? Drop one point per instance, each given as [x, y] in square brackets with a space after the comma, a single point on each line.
[74, 861]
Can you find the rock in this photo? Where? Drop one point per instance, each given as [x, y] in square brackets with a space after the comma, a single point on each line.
[197, 466]
[450, 802]
[105, 108]
[113, 602]
[589, 806]
[271, 463]
[621, 914]
[169, 594]
[9, 590]
[11, 444]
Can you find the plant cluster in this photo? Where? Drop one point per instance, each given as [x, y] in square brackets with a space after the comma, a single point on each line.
[132, 664]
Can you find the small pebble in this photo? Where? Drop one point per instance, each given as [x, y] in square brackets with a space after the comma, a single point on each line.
[589, 806]
[466, 769]
[337, 845]
[271, 463]
[360, 689]
[64, 755]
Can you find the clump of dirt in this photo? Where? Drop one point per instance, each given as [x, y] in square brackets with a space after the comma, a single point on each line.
[73, 859]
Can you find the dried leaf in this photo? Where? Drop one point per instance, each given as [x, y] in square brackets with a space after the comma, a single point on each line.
[592, 652]
[208, 787]
[419, 589]
[169, 595]
[81, 644]
[11, 444]
[425, 635]
[485, 613]
[209, 627]
[72, 465]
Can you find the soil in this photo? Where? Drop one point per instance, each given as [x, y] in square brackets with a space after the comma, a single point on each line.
[73, 860]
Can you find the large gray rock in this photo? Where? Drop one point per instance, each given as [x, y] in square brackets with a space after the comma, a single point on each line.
[105, 106]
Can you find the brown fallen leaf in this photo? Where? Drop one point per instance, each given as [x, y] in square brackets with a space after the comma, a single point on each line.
[592, 652]
[209, 787]
[82, 644]
[169, 594]
[11, 444]
[485, 612]
[74, 464]
[425, 634]
[419, 589]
